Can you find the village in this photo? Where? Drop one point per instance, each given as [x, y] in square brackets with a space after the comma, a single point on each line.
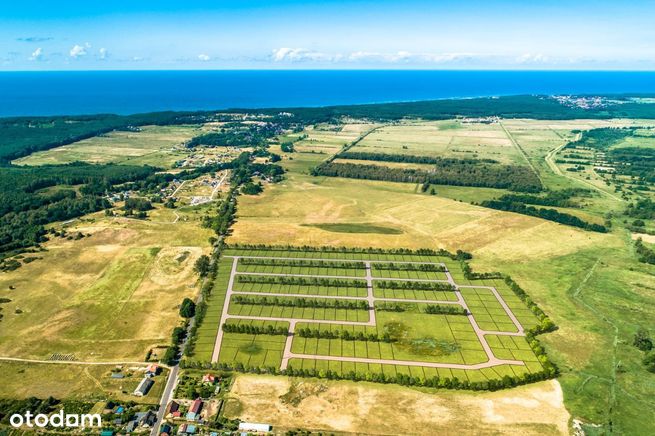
[195, 408]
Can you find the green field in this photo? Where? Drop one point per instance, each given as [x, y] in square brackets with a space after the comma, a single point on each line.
[151, 145]
[455, 139]
[413, 335]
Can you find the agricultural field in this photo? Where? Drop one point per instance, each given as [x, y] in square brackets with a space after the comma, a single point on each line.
[336, 295]
[150, 145]
[590, 283]
[111, 295]
[446, 139]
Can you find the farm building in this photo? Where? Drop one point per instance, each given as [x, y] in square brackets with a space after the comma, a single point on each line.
[143, 387]
[152, 370]
[252, 427]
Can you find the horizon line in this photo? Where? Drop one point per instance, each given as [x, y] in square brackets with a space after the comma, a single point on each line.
[518, 70]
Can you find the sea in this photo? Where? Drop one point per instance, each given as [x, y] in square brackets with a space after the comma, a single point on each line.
[128, 92]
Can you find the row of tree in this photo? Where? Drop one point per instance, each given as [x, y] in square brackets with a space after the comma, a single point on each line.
[301, 263]
[325, 303]
[302, 281]
[426, 267]
[255, 330]
[547, 214]
[443, 309]
[408, 158]
[401, 379]
[343, 334]
[415, 285]
[359, 250]
[461, 173]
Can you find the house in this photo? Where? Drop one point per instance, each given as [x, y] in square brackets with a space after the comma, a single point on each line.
[152, 370]
[147, 419]
[143, 387]
[208, 379]
[252, 427]
[119, 410]
[117, 375]
[129, 428]
[194, 410]
[165, 430]
[107, 433]
[172, 408]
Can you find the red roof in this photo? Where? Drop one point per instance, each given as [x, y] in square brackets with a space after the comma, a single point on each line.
[195, 407]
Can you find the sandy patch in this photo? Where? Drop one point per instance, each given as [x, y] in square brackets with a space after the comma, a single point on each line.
[644, 237]
[366, 408]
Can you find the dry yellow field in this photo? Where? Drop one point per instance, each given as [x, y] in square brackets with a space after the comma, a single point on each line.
[283, 212]
[109, 296]
[366, 408]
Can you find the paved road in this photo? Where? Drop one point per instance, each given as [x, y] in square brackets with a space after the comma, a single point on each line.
[319, 276]
[166, 396]
[492, 360]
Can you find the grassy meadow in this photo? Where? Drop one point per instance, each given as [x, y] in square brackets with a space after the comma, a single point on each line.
[108, 296]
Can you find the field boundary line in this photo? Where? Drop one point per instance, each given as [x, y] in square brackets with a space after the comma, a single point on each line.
[523, 153]
[76, 362]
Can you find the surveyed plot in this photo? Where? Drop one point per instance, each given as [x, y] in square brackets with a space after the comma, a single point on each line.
[370, 312]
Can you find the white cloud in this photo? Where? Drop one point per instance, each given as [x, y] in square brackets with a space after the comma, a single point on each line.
[529, 58]
[79, 50]
[203, 57]
[409, 57]
[286, 54]
[102, 54]
[37, 54]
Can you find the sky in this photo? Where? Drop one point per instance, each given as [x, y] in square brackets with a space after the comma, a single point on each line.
[410, 34]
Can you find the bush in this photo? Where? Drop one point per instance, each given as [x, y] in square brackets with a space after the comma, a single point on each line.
[649, 361]
[187, 308]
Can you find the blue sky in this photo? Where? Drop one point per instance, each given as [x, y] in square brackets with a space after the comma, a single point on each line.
[144, 34]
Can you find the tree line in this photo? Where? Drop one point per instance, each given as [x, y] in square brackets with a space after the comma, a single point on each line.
[459, 255]
[255, 330]
[401, 379]
[426, 267]
[415, 285]
[302, 281]
[301, 263]
[443, 309]
[547, 214]
[458, 173]
[301, 302]
[343, 334]
[408, 158]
